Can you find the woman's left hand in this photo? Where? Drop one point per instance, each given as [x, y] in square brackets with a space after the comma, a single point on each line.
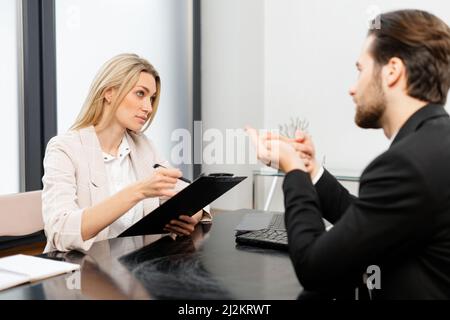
[184, 225]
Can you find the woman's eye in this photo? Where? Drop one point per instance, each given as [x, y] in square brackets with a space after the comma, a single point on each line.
[140, 94]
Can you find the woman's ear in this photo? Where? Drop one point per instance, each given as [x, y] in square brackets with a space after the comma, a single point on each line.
[109, 95]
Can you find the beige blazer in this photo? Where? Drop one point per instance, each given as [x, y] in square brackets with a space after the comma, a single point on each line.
[75, 179]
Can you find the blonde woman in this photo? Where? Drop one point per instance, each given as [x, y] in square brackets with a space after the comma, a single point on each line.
[99, 177]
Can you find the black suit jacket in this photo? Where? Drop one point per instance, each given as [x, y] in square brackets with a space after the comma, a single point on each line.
[400, 221]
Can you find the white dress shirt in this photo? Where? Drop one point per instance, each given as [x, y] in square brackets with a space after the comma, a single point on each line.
[393, 137]
[120, 174]
[318, 175]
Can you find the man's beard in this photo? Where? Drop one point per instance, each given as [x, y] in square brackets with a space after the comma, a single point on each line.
[369, 112]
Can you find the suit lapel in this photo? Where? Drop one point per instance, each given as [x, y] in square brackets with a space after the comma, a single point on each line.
[97, 171]
[141, 159]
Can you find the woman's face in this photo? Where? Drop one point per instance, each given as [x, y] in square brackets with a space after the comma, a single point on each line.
[136, 108]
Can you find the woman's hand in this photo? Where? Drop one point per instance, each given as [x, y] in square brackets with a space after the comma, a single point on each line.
[185, 225]
[161, 184]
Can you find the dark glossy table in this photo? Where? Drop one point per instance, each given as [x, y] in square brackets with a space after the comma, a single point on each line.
[207, 265]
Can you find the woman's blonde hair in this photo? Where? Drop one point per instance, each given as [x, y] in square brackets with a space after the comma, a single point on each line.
[122, 74]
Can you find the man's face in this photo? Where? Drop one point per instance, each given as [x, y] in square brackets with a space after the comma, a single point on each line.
[368, 93]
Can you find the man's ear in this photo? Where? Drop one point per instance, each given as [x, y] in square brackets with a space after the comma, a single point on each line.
[394, 71]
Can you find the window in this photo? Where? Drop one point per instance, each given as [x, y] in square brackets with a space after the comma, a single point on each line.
[9, 91]
[88, 33]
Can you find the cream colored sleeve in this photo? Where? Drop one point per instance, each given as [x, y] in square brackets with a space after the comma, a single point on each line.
[61, 214]
[207, 216]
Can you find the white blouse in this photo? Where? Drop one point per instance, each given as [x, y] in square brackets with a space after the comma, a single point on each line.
[76, 178]
[120, 174]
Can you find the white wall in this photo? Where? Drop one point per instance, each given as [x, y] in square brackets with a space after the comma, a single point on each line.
[265, 61]
[232, 79]
[311, 50]
[276, 203]
[9, 91]
[88, 33]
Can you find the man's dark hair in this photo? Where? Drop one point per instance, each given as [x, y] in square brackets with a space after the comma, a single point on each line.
[422, 41]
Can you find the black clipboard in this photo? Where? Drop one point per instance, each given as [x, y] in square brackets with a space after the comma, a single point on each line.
[188, 201]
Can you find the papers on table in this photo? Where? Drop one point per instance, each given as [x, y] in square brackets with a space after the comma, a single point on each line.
[19, 269]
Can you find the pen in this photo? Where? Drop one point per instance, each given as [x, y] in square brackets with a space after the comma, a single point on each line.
[181, 178]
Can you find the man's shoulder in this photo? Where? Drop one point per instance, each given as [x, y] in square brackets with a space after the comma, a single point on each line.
[426, 152]
[431, 143]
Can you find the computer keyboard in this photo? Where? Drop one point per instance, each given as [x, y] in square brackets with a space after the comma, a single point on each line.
[265, 238]
[277, 222]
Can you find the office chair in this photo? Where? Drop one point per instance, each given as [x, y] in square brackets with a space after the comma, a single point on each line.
[21, 223]
[21, 214]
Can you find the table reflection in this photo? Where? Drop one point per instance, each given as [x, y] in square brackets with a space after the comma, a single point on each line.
[172, 269]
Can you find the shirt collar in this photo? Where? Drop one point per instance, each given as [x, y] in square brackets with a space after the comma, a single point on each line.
[393, 137]
[122, 152]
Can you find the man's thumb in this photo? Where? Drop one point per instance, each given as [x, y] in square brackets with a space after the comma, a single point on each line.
[299, 135]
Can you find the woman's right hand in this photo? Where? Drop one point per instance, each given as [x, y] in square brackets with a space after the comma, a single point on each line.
[160, 184]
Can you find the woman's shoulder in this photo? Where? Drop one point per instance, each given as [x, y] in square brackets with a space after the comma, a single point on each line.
[65, 140]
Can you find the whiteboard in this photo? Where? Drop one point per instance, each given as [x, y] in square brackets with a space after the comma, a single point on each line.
[310, 52]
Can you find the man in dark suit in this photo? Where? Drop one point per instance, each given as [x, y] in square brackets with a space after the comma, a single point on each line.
[399, 226]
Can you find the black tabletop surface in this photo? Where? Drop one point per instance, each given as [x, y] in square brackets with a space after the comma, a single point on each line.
[206, 265]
